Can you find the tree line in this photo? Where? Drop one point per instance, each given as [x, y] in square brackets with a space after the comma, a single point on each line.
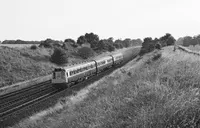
[95, 42]
[150, 44]
[64, 49]
[188, 40]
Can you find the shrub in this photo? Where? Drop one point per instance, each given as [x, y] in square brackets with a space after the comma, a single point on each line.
[59, 56]
[33, 47]
[158, 46]
[111, 48]
[49, 43]
[46, 44]
[85, 52]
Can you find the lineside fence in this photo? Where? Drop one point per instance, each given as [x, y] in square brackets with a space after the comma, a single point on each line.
[187, 50]
[24, 84]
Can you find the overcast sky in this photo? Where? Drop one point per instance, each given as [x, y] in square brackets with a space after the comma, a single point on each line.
[61, 19]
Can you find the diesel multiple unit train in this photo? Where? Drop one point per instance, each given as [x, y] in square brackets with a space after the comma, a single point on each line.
[69, 75]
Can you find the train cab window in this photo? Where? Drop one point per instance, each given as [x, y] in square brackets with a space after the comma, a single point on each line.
[54, 75]
[71, 73]
[109, 60]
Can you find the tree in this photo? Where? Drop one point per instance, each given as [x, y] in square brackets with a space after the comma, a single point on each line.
[93, 39]
[179, 41]
[170, 41]
[126, 43]
[33, 47]
[158, 46]
[147, 45]
[81, 40]
[70, 41]
[59, 56]
[111, 48]
[167, 40]
[193, 42]
[105, 45]
[85, 52]
[186, 41]
[49, 43]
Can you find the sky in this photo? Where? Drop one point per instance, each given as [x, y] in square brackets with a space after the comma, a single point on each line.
[61, 19]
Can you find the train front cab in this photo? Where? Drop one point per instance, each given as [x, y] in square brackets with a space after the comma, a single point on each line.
[60, 77]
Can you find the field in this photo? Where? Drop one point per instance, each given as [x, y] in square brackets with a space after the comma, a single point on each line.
[158, 90]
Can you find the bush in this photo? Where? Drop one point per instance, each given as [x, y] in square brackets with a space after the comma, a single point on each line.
[111, 48]
[33, 47]
[158, 46]
[85, 52]
[59, 56]
[49, 43]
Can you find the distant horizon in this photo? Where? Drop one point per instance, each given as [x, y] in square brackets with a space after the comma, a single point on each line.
[36, 20]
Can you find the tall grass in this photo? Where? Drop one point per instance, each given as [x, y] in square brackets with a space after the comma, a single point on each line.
[149, 93]
[194, 48]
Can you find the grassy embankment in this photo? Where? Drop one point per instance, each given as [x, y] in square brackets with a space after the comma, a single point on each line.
[159, 90]
[23, 64]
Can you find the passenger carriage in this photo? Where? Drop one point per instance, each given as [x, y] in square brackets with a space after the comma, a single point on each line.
[104, 63]
[82, 71]
[118, 58]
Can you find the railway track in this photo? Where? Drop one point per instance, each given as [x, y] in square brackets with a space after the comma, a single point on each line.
[14, 101]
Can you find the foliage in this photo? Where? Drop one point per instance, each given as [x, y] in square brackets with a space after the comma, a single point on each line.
[49, 43]
[20, 42]
[85, 52]
[147, 45]
[105, 45]
[167, 40]
[92, 39]
[33, 47]
[59, 56]
[158, 46]
[81, 40]
[150, 44]
[71, 42]
[67, 46]
[188, 40]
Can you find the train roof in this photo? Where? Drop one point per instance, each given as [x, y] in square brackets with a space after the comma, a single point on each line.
[117, 54]
[103, 58]
[70, 66]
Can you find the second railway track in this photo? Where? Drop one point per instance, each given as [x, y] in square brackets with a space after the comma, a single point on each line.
[14, 101]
